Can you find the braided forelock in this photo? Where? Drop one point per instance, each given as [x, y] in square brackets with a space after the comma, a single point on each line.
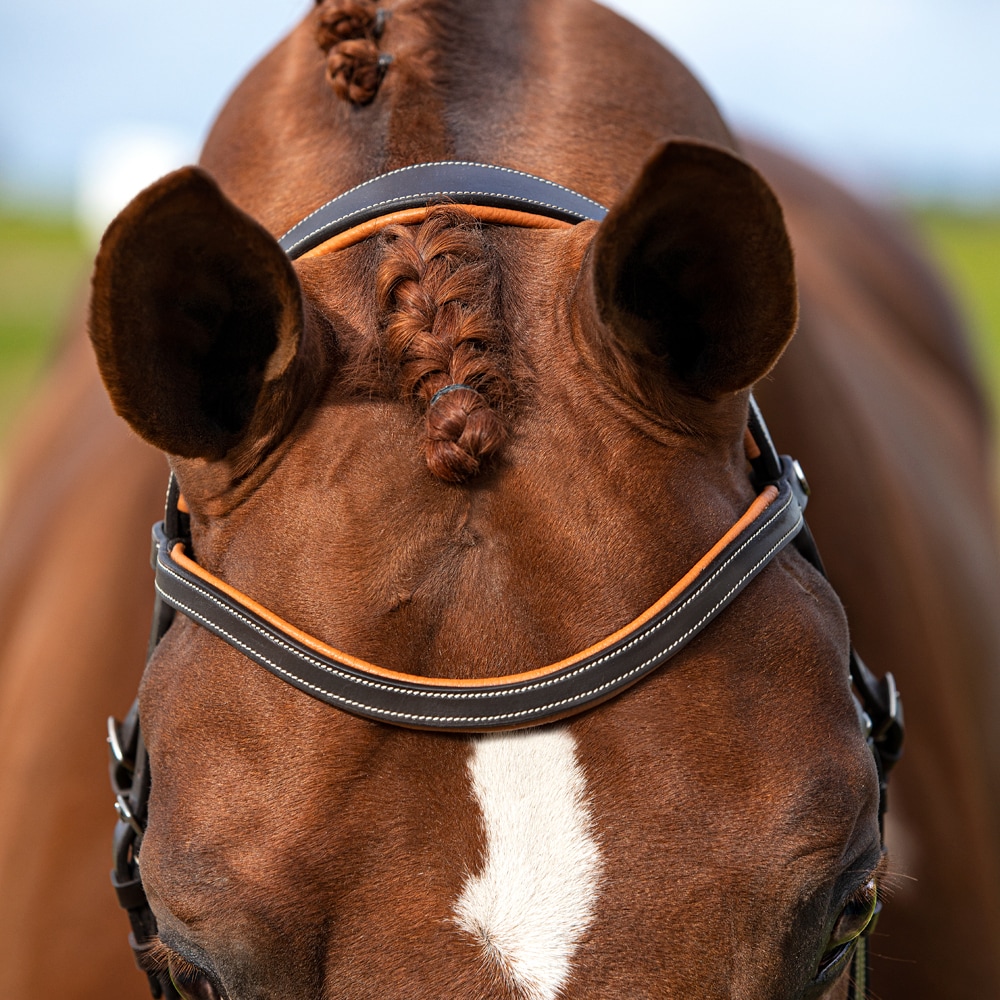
[436, 292]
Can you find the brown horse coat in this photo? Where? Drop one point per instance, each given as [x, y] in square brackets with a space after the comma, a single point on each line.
[726, 795]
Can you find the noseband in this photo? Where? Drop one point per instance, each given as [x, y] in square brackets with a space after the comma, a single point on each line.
[775, 519]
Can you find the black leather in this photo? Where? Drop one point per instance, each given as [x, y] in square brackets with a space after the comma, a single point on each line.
[445, 181]
[460, 708]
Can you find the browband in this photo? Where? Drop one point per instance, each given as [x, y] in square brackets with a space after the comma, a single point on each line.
[526, 699]
[450, 181]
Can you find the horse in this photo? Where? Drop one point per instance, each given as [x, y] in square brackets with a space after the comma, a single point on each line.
[465, 442]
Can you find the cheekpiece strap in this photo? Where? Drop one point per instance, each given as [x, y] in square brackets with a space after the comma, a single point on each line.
[130, 783]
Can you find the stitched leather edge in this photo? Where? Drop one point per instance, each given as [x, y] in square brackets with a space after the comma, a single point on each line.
[566, 688]
[343, 239]
[421, 184]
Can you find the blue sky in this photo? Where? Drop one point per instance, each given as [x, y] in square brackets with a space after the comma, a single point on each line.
[891, 94]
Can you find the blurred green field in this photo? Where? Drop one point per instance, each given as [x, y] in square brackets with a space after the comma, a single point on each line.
[43, 269]
[967, 246]
[44, 265]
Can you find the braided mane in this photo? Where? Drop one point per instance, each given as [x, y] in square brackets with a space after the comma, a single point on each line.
[348, 31]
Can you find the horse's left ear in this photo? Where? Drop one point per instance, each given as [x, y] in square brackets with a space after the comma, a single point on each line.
[692, 272]
[197, 320]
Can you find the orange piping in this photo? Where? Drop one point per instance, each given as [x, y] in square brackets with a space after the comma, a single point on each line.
[762, 502]
[409, 216]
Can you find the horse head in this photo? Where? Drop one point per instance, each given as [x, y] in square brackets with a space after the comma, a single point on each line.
[462, 448]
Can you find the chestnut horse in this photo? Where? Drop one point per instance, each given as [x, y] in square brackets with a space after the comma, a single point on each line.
[465, 447]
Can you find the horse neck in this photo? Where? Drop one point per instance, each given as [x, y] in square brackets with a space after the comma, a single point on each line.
[516, 83]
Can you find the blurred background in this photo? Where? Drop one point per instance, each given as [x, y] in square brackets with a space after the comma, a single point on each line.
[900, 99]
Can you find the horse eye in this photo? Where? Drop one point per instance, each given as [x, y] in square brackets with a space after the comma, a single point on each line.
[856, 917]
[857, 914]
[190, 982]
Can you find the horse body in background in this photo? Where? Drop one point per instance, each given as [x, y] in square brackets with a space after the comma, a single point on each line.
[704, 834]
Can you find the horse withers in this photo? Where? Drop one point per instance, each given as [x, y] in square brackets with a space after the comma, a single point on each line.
[465, 443]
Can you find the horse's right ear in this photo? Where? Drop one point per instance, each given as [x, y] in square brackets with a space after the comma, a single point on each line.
[197, 320]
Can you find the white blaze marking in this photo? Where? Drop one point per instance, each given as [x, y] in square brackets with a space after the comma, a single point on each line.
[534, 899]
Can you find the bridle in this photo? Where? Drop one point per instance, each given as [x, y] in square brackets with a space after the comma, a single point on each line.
[537, 697]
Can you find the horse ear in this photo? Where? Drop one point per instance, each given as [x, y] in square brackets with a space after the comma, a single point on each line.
[197, 320]
[692, 272]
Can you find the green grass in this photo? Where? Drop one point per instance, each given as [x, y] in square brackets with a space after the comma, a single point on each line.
[967, 246]
[43, 268]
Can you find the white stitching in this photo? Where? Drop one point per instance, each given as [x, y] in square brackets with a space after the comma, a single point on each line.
[428, 194]
[473, 695]
[254, 654]
[449, 163]
[479, 719]
[420, 194]
[448, 695]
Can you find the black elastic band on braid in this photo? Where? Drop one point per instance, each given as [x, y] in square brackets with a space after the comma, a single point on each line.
[450, 388]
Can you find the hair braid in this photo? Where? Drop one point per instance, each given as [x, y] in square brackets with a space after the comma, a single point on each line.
[348, 32]
[435, 289]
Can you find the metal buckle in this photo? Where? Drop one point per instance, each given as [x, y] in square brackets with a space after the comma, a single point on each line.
[891, 705]
[801, 477]
[115, 745]
[125, 814]
[889, 726]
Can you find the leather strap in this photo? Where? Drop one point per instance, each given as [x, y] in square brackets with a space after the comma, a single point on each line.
[445, 181]
[544, 695]
[130, 781]
[342, 239]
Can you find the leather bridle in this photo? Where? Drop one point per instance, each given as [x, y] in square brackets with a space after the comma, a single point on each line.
[537, 697]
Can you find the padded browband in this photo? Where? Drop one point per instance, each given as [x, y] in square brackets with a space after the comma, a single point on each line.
[423, 184]
[543, 695]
